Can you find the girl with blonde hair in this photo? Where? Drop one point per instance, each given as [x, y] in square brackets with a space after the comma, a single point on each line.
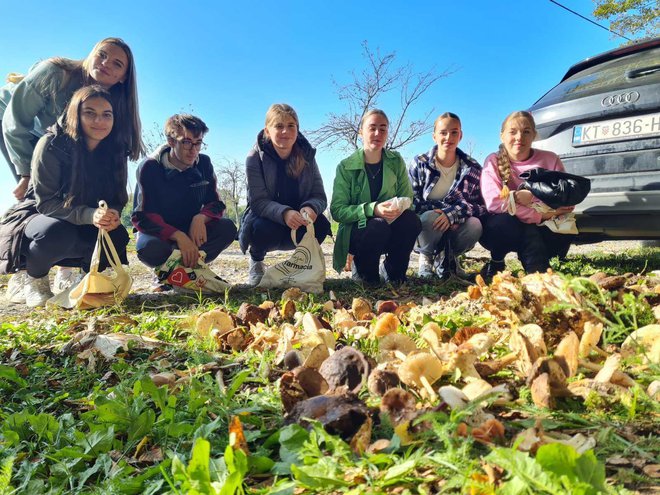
[284, 187]
[366, 197]
[522, 233]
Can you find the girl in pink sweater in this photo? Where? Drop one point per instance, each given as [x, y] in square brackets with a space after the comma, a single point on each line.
[522, 233]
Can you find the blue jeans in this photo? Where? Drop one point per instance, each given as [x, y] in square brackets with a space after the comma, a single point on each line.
[431, 242]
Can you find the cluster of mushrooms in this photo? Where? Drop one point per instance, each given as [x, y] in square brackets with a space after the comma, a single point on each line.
[556, 354]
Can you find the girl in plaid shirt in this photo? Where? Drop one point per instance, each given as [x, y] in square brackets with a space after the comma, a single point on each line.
[447, 196]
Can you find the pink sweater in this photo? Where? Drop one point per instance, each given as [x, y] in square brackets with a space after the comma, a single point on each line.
[491, 182]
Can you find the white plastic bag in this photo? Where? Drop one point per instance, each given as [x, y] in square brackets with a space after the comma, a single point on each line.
[304, 269]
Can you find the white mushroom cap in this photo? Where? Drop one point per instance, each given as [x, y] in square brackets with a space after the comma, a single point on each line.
[590, 337]
[567, 350]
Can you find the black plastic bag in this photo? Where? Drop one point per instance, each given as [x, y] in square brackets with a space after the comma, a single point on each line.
[555, 188]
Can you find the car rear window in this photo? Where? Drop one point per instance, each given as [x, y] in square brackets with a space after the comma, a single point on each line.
[604, 78]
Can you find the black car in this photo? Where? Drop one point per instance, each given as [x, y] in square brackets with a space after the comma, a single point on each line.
[603, 120]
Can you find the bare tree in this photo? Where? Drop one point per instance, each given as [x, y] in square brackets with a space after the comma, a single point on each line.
[380, 76]
[233, 184]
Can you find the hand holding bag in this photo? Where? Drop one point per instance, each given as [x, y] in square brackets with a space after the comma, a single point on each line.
[96, 289]
[556, 188]
[304, 269]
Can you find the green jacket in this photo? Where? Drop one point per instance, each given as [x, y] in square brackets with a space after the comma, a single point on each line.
[351, 203]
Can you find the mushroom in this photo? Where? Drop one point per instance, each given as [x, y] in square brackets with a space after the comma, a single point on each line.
[541, 392]
[453, 397]
[385, 324]
[311, 324]
[300, 384]
[386, 306]
[250, 314]
[590, 337]
[464, 334]
[288, 309]
[399, 405]
[396, 344]
[348, 367]
[382, 379]
[476, 389]
[654, 390]
[293, 359]
[527, 354]
[316, 357]
[293, 294]
[646, 341]
[609, 367]
[433, 334]
[567, 354]
[421, 370]
[547, 380]
[361, 308]
[534, 334]
[487, 368]
[618, 377]
[214, 319]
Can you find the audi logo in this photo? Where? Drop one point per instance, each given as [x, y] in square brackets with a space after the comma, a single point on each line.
[620, 99]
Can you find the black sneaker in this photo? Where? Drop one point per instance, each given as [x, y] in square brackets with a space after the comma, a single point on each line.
[491, 268]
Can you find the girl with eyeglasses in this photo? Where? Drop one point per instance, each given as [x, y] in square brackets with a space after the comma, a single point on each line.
[284, 185]
[77, 163]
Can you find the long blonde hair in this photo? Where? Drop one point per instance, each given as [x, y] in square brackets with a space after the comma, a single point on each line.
[296, 162]
[503, 158]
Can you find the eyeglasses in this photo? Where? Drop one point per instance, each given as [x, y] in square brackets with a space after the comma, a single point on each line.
[187, 144]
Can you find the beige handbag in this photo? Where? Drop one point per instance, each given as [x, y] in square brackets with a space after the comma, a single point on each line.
[96, 289]
[304, 269]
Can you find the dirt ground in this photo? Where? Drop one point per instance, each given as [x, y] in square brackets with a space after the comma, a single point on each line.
[232, 265]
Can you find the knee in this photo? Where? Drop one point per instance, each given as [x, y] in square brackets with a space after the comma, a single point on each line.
[264, 228]
[427, 219]
[153, 251]
[412, 222]
[225, 229]
[473, 228]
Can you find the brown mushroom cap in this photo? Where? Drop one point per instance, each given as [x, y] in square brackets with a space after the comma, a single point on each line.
[385, 324]
[348, 367]
[534, 334]
[381, 380]
[399, 404]
[527, 354]
[311, 381]
[361, 308]
[214, 319]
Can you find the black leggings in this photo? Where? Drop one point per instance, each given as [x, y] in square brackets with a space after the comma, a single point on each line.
[396, 240]
[534, 244]
[48, 241]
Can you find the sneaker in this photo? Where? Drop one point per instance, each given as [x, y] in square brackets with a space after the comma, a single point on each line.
[66, 278]
[257, 269]
[425, 268]
[16, 287]
[37, 291]
[491, 269]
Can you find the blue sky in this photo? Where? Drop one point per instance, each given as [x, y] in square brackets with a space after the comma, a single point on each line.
[228, 61]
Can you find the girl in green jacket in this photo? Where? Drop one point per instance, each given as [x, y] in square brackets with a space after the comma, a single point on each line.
[363, 202]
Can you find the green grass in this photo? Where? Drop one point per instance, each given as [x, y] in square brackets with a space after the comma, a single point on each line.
[76, 423]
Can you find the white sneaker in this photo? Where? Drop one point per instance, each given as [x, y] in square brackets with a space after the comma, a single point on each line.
[16, 287]
[65, 278]
[37, 291]
[425, 268]
[257, 269]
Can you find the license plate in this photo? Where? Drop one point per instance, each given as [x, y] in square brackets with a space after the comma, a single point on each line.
[617, 130]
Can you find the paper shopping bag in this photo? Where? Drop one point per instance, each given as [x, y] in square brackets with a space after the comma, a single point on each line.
[304, 269]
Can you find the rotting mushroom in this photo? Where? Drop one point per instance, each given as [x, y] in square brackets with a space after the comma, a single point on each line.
[399, 405]
[300, 384]
[420, 371]
[381, 379]
[388, 306]
[348, 367]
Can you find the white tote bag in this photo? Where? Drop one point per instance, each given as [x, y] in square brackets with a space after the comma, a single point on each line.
[304, 269]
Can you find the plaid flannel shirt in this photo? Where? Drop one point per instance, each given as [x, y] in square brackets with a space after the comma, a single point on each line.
[463, 199]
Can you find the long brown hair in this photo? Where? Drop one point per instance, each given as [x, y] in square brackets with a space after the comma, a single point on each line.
[124, 95]
[503, 158]
[296, 162]
[82, 183]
